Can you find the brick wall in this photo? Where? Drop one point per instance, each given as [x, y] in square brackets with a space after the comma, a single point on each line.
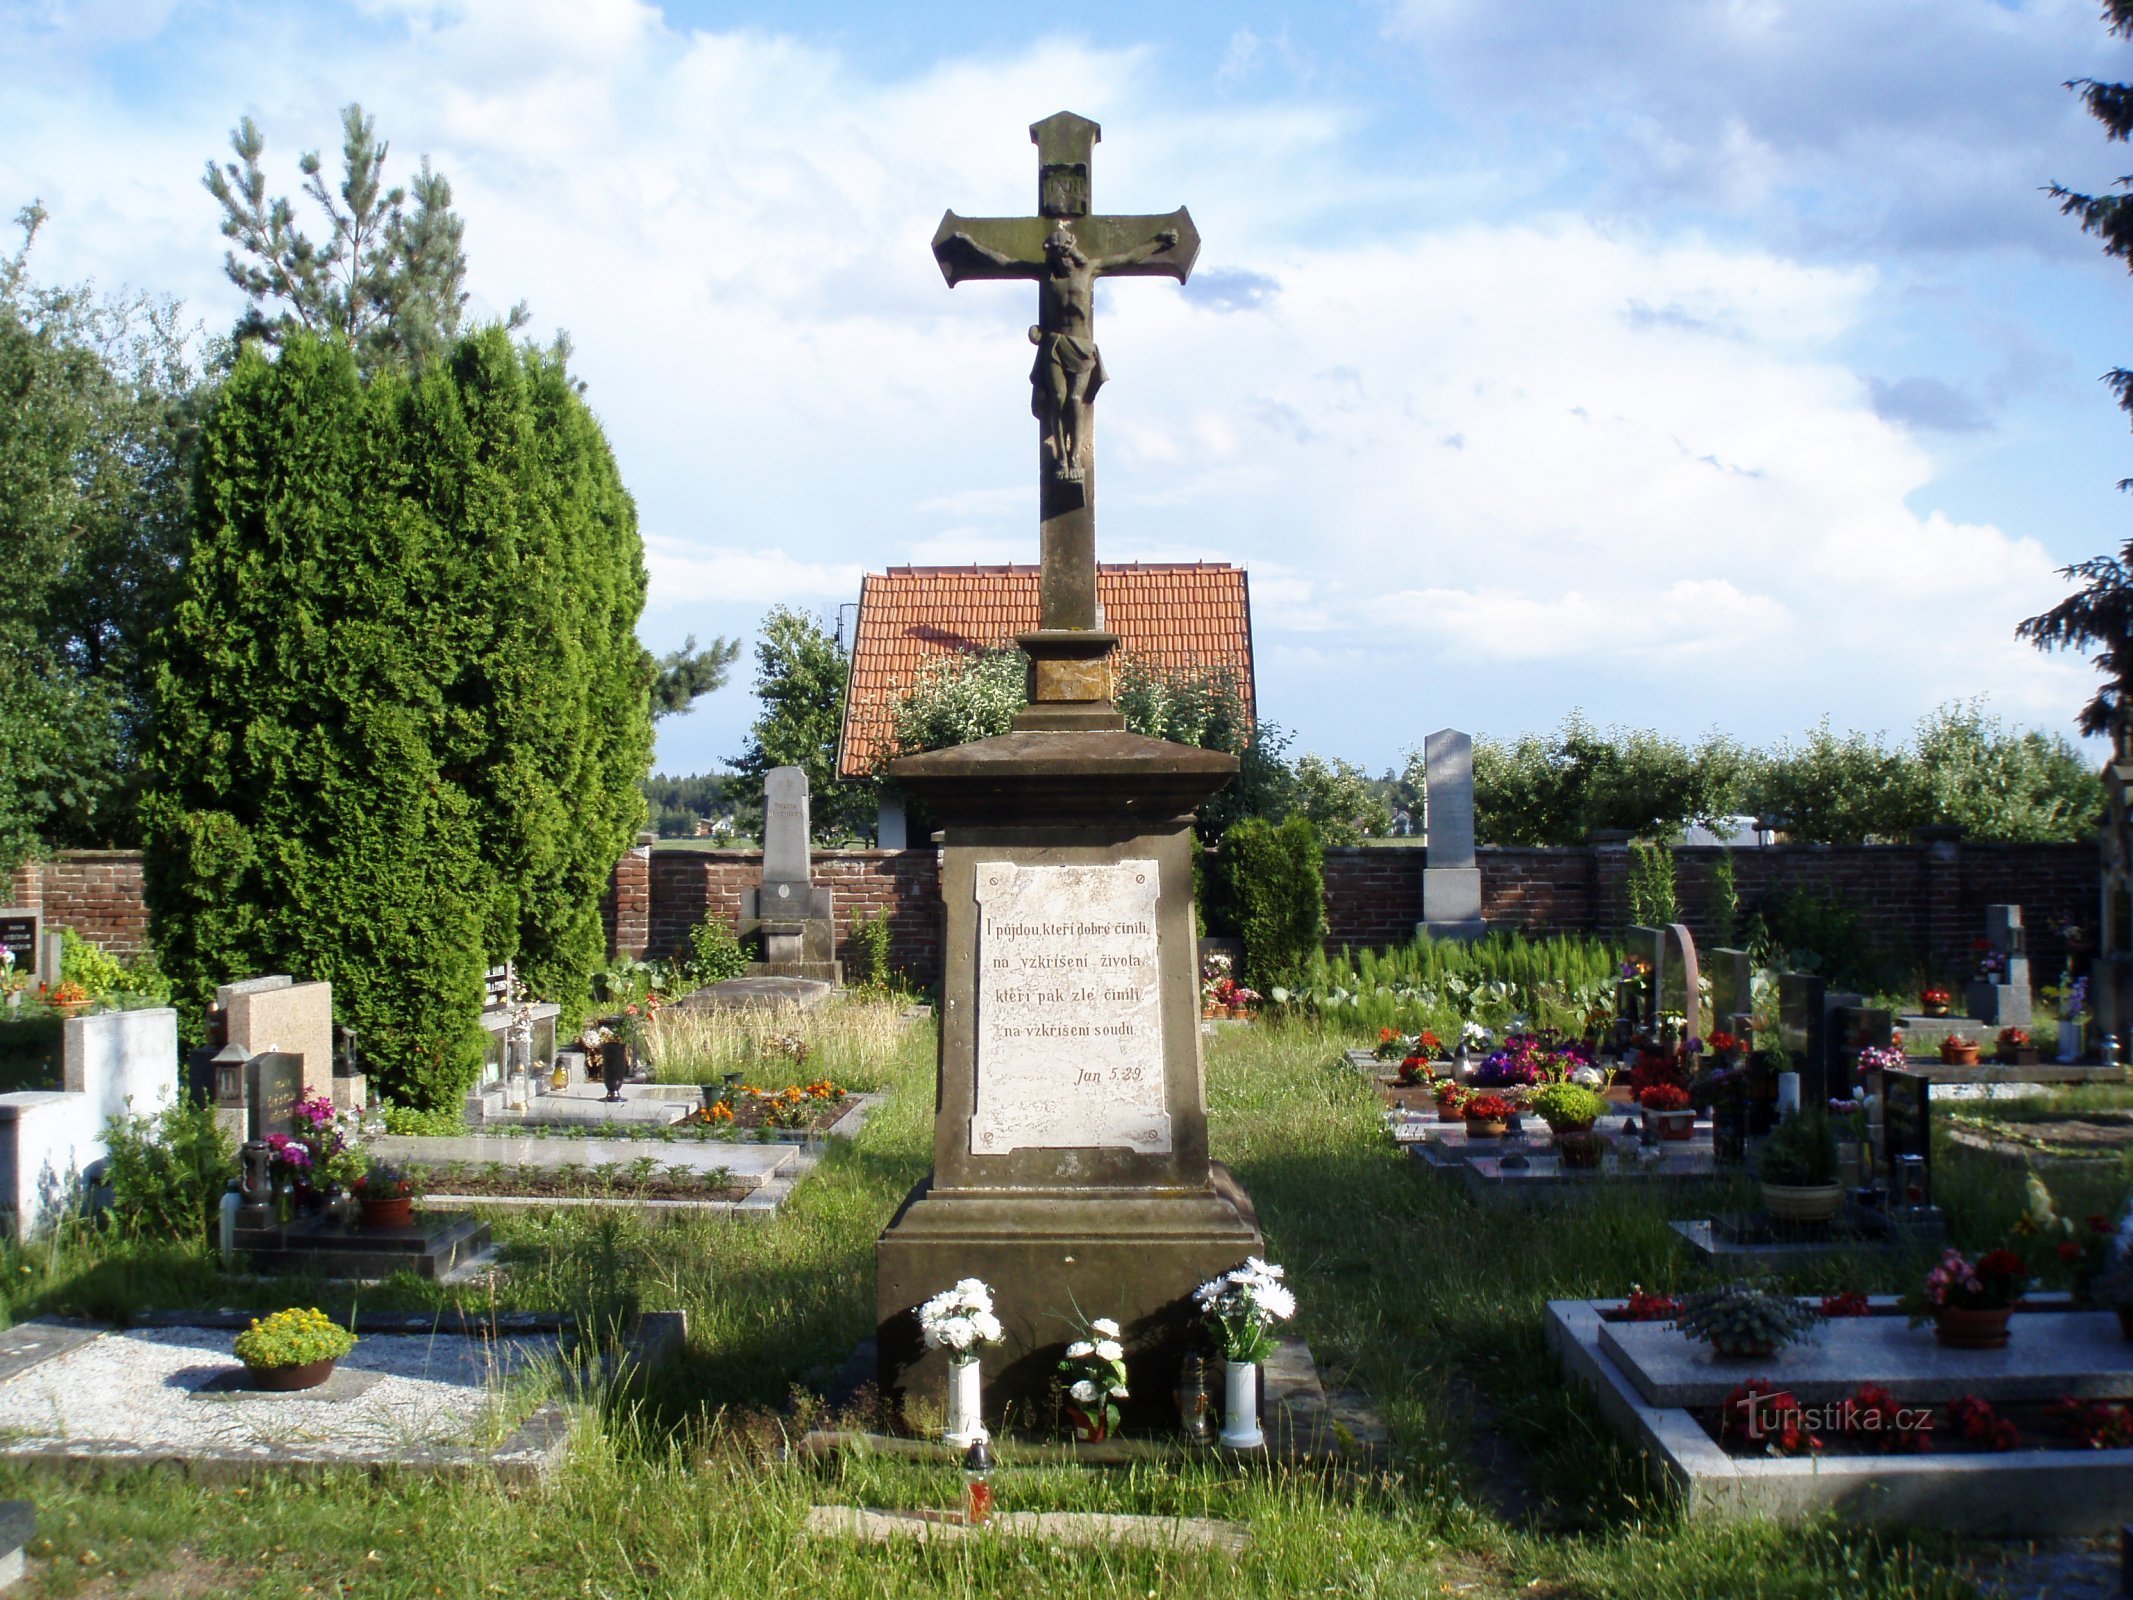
[683, 886]
[97, 893]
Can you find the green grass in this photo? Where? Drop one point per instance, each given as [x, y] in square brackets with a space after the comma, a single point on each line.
[1505, 1480]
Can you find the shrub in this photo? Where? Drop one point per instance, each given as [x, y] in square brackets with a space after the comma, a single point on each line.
[293, 1338]
[1276, 881]
[713, 954]
[419, 1122]
[1652, 901]
[96, 969]
[1801, 1151]
[870, 942]
[1568, 1105]
[167, 1172]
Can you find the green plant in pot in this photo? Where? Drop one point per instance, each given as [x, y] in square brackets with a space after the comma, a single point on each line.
[1798, 1167]
[1570, 1110]
[386, 1193]
[1742, 1320]
[292, 1349]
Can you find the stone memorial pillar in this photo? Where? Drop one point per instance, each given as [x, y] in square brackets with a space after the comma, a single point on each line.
[1070, 1158]
[796, 916]
[2002, 1000]
[1451, 882]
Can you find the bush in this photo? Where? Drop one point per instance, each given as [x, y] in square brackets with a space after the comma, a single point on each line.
[1799, 930]
[416, 1122]
[96, 969]
[1275, 875]
[870, 942]
[1652, 901]
[168, 1173]
[713, 954]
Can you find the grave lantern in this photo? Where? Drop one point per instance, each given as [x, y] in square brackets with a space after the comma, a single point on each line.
[228, 1063]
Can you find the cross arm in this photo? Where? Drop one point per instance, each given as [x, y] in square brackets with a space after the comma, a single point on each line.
[1135, 247]
[990, 247]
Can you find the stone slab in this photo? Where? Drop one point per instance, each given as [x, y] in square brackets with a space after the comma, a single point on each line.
[2051, 1353]
[2023, 1494]
[1451, 895]
[1077, 1528]
[762, 993]
[437, 1245]
[129, 1396]
[748, 1162]
[1710, 1243]
[296, 1018]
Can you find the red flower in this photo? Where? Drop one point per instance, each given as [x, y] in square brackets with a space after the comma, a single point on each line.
[1489, 1108]
[1851, 1303]
[2069, 1250]
[1664, 1097]
[2001, 1263]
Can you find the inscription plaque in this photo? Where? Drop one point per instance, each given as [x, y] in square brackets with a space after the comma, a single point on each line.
[1070, 1020]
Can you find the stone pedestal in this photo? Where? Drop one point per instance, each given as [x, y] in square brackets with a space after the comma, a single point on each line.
[1071, 1168]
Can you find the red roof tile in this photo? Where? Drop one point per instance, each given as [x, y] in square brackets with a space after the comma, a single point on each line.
[1170, 615]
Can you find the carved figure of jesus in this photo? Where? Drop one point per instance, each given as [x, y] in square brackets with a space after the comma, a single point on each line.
[1069, 368]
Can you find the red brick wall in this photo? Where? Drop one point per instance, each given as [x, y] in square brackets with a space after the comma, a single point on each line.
[97, 893]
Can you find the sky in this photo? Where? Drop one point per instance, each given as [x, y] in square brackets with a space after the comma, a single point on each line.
[1700, 365]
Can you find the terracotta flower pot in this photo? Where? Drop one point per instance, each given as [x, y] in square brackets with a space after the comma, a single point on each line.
[1580, 1147]
[1958, 1055]
[1087, 1429]
[1971, 1330]
[1484, 1127]
[1787, 1202]
[1675, 1125]
[1934, 1008]
[284, 1380]
[1449, 1113]
[385, 1215]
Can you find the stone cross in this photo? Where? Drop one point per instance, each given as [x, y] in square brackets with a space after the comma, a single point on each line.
[1064, 249]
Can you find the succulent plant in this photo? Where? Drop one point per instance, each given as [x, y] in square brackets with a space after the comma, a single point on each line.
[1741, 1319]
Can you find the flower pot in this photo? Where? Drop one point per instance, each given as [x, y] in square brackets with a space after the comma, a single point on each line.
[1743, 1349]
[2016, 1055]
[1484, 1127]
[1971, 1330]
[283, 1380]
[1240, 1405]
[1447, 1112]
[388, 1214]
[614, 1066]
[1934, 1008]
[1953, 1054]
[1087, 1429]
[1580, 1147]
[965, 1420]
[1788, 1202]
[1674, 1125]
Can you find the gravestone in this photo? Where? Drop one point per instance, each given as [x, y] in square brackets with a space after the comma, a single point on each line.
[1451, 882]
[2002, 1001]
[273, 1083]
[1070, 1157]
[276, 1014]
[1732, 991]
[796, 917]
[1637, 993]
[1683, 991]
[1803, 1032]
[1907, 1137]
[20, 928]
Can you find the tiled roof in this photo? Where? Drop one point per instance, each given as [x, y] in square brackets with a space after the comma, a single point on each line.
[1170, 615]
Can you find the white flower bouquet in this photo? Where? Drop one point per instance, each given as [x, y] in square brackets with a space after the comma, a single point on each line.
[1094, 1376]
[1242, 1307]
[958, 1320]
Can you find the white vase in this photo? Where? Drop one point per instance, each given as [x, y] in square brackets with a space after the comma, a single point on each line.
[966, 1422]
[1240, 1405]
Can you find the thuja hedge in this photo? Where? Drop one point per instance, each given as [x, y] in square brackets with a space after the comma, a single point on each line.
[1274, 878]
[401, 714]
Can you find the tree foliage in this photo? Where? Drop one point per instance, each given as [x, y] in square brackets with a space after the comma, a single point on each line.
[1343, 802]
[1539, 790]
[1275, 878]
[387, 280]
[800, 673]
[99, 405]
[401, 712]
[681, 676]
[2098, 616]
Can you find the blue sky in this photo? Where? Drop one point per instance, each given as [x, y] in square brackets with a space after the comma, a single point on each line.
[1697, 363]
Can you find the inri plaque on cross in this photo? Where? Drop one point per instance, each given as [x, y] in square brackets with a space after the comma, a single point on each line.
[1064, 250]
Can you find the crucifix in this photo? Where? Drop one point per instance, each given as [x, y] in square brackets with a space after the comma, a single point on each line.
[1064, 250]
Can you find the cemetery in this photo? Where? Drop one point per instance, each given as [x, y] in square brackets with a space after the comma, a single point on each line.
[416, 1180]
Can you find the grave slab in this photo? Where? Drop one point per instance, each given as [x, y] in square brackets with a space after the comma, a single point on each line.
[2051, 1353]
[763, 993]
[433, 1402]
[2022, 1494]
[1712, 1241]
[18, 1526]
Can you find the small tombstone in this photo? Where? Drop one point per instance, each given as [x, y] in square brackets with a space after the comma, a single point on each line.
[21, 930]
[1732, 988]
[1803, 1023]
[51, 954]
[1684, 981]
[2000, 998]
[274, 1082]
[1451, 882]
[1907, 1137]
[295, 1018]
[796, 916]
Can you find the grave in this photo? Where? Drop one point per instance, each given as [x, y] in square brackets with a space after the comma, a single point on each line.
[431, 1393]
[2001, 999]
[52, 1142]
[1525, 1170]
[1070, 1161]
[796, 917]
[275, 1013]
[519, 1049]
[1451, 881]
[1658, 1388]
[20, 930]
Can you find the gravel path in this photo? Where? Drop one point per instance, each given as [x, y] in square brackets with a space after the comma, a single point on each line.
[138, 1390]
